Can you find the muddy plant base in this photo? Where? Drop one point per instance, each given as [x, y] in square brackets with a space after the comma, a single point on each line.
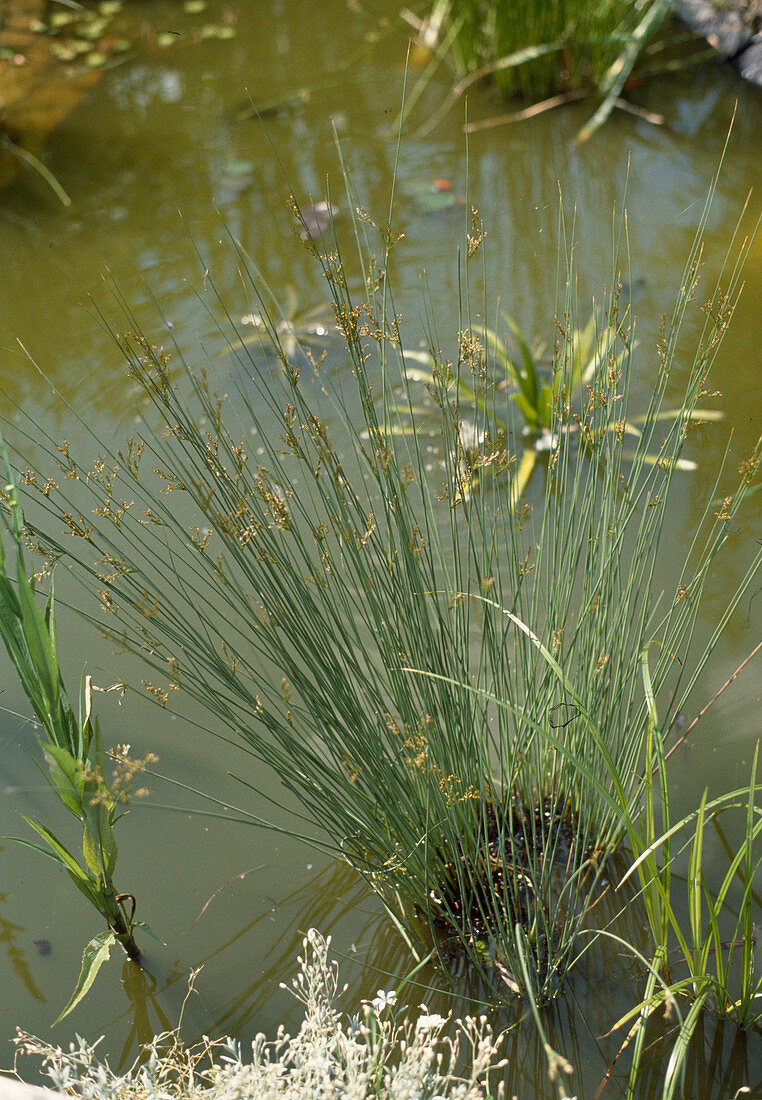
[519, 875]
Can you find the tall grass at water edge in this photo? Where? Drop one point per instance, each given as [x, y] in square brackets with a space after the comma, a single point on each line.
[575, 41]
[542, 50]
[449, 685]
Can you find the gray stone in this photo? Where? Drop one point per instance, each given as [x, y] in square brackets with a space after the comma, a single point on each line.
[750, 62]
[11, 1089]
[724, 30]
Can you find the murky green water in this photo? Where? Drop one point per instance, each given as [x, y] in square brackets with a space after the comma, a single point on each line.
[156, 158]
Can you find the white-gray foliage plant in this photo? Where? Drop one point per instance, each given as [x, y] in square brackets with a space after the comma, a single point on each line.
[332, 1056]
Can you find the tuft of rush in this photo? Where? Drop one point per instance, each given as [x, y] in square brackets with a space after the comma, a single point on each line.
[442, 667]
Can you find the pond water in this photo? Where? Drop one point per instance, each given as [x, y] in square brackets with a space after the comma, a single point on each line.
[159, 161]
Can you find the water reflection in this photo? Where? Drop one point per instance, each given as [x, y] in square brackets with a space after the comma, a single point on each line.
[16, 954]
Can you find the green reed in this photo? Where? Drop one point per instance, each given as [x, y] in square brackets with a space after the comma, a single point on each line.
[447, 682]
[705, 960]
[702, 940]
[585, 37]
[542, 50]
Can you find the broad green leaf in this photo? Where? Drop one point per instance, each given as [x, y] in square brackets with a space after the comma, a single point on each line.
[50, 620]
[695, 877]
[67, 777]
[96, 753]
[94, 956]
[98, 843]
[523, 474]
[61, 851]
[527, 377]
[528, 411]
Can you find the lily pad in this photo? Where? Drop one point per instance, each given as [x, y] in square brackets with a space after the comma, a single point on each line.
[64, 51]
[237, 175]
[92, 29]
[432, 195]
[219, 31]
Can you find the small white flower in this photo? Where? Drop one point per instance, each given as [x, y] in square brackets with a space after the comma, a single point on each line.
[384, 999]
[426, 1023]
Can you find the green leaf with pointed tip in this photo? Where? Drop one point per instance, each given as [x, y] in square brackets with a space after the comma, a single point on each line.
[94, 956]
[141, 924]
[65, 859]
[37, 637]
[527, 411]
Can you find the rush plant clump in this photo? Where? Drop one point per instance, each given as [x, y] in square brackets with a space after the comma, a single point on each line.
[445, 674]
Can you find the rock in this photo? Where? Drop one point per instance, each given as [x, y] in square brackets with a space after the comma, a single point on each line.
[11, 1089]
[724, 30]
[732, 27]
[749, 64]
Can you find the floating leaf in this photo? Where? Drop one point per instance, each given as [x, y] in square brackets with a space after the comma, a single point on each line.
[237, 175]
[431, 195]
[211, 30]
[92, 30]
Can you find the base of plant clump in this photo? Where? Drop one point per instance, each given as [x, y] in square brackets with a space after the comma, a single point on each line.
[517, 875]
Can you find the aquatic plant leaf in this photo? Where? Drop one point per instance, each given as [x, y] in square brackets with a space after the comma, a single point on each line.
[38, 639]
[527, 379]
[94, 956]
[141, 924]
[98, 844]
[67, 778]
[64, 858]
[615, 78]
